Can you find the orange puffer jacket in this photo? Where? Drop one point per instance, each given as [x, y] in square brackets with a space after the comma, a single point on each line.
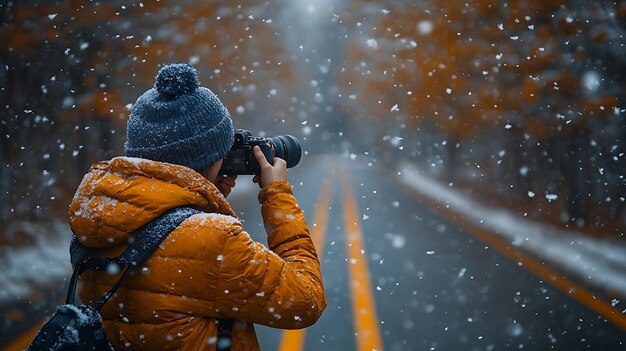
[205, 269]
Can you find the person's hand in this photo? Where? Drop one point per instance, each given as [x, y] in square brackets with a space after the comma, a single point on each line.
[269, 173]
[225, 183]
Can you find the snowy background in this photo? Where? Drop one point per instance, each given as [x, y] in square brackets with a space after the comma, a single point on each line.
[511, 114]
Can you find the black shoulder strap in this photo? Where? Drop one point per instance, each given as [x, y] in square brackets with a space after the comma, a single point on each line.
[145, 242]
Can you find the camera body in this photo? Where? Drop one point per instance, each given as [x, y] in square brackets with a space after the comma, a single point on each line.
[240, 159]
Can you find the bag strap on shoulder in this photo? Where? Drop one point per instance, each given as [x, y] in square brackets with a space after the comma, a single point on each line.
[143, 243]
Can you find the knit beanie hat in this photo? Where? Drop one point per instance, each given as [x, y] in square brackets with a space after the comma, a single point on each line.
[179, 122]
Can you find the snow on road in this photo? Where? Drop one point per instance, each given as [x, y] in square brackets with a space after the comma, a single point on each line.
[601, 262]
[48, 260]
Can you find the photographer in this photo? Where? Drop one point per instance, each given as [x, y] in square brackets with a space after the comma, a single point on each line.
[208, 269]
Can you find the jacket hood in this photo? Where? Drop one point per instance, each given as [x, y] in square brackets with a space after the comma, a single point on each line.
[117, 197]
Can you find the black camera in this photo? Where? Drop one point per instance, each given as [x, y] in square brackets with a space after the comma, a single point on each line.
[240, 159]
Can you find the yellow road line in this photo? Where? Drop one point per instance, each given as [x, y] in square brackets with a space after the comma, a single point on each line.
[526, 261]
[293, 340]
[363, 308]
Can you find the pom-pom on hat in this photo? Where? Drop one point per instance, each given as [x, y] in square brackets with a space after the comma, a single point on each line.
[179, 122]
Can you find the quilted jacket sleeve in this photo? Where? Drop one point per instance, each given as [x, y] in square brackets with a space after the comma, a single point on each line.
[280, 287]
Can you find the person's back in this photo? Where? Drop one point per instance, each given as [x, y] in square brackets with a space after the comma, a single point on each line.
[207, 269]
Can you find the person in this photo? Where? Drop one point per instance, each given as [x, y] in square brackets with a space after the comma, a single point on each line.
[208, 268]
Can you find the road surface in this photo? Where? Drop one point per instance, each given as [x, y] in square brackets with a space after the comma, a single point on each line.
[434, 285]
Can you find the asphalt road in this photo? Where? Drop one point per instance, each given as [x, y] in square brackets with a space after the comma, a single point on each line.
[398, 276]
[434, 285]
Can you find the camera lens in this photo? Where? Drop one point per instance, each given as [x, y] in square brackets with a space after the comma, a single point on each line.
[288, 148]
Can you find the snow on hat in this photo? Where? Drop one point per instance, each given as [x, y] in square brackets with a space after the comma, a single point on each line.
[179, 122]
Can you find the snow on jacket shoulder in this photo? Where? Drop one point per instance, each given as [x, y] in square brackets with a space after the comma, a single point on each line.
[207, 268]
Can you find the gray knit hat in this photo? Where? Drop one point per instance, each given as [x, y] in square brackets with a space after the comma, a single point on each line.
[179, 122]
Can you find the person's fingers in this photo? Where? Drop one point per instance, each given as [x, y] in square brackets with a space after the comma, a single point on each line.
[257, 180]
[258, 154]
[279, 162]
[225, 190]
[229, 180]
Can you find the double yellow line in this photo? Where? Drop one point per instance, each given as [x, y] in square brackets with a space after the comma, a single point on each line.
[363, 308]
